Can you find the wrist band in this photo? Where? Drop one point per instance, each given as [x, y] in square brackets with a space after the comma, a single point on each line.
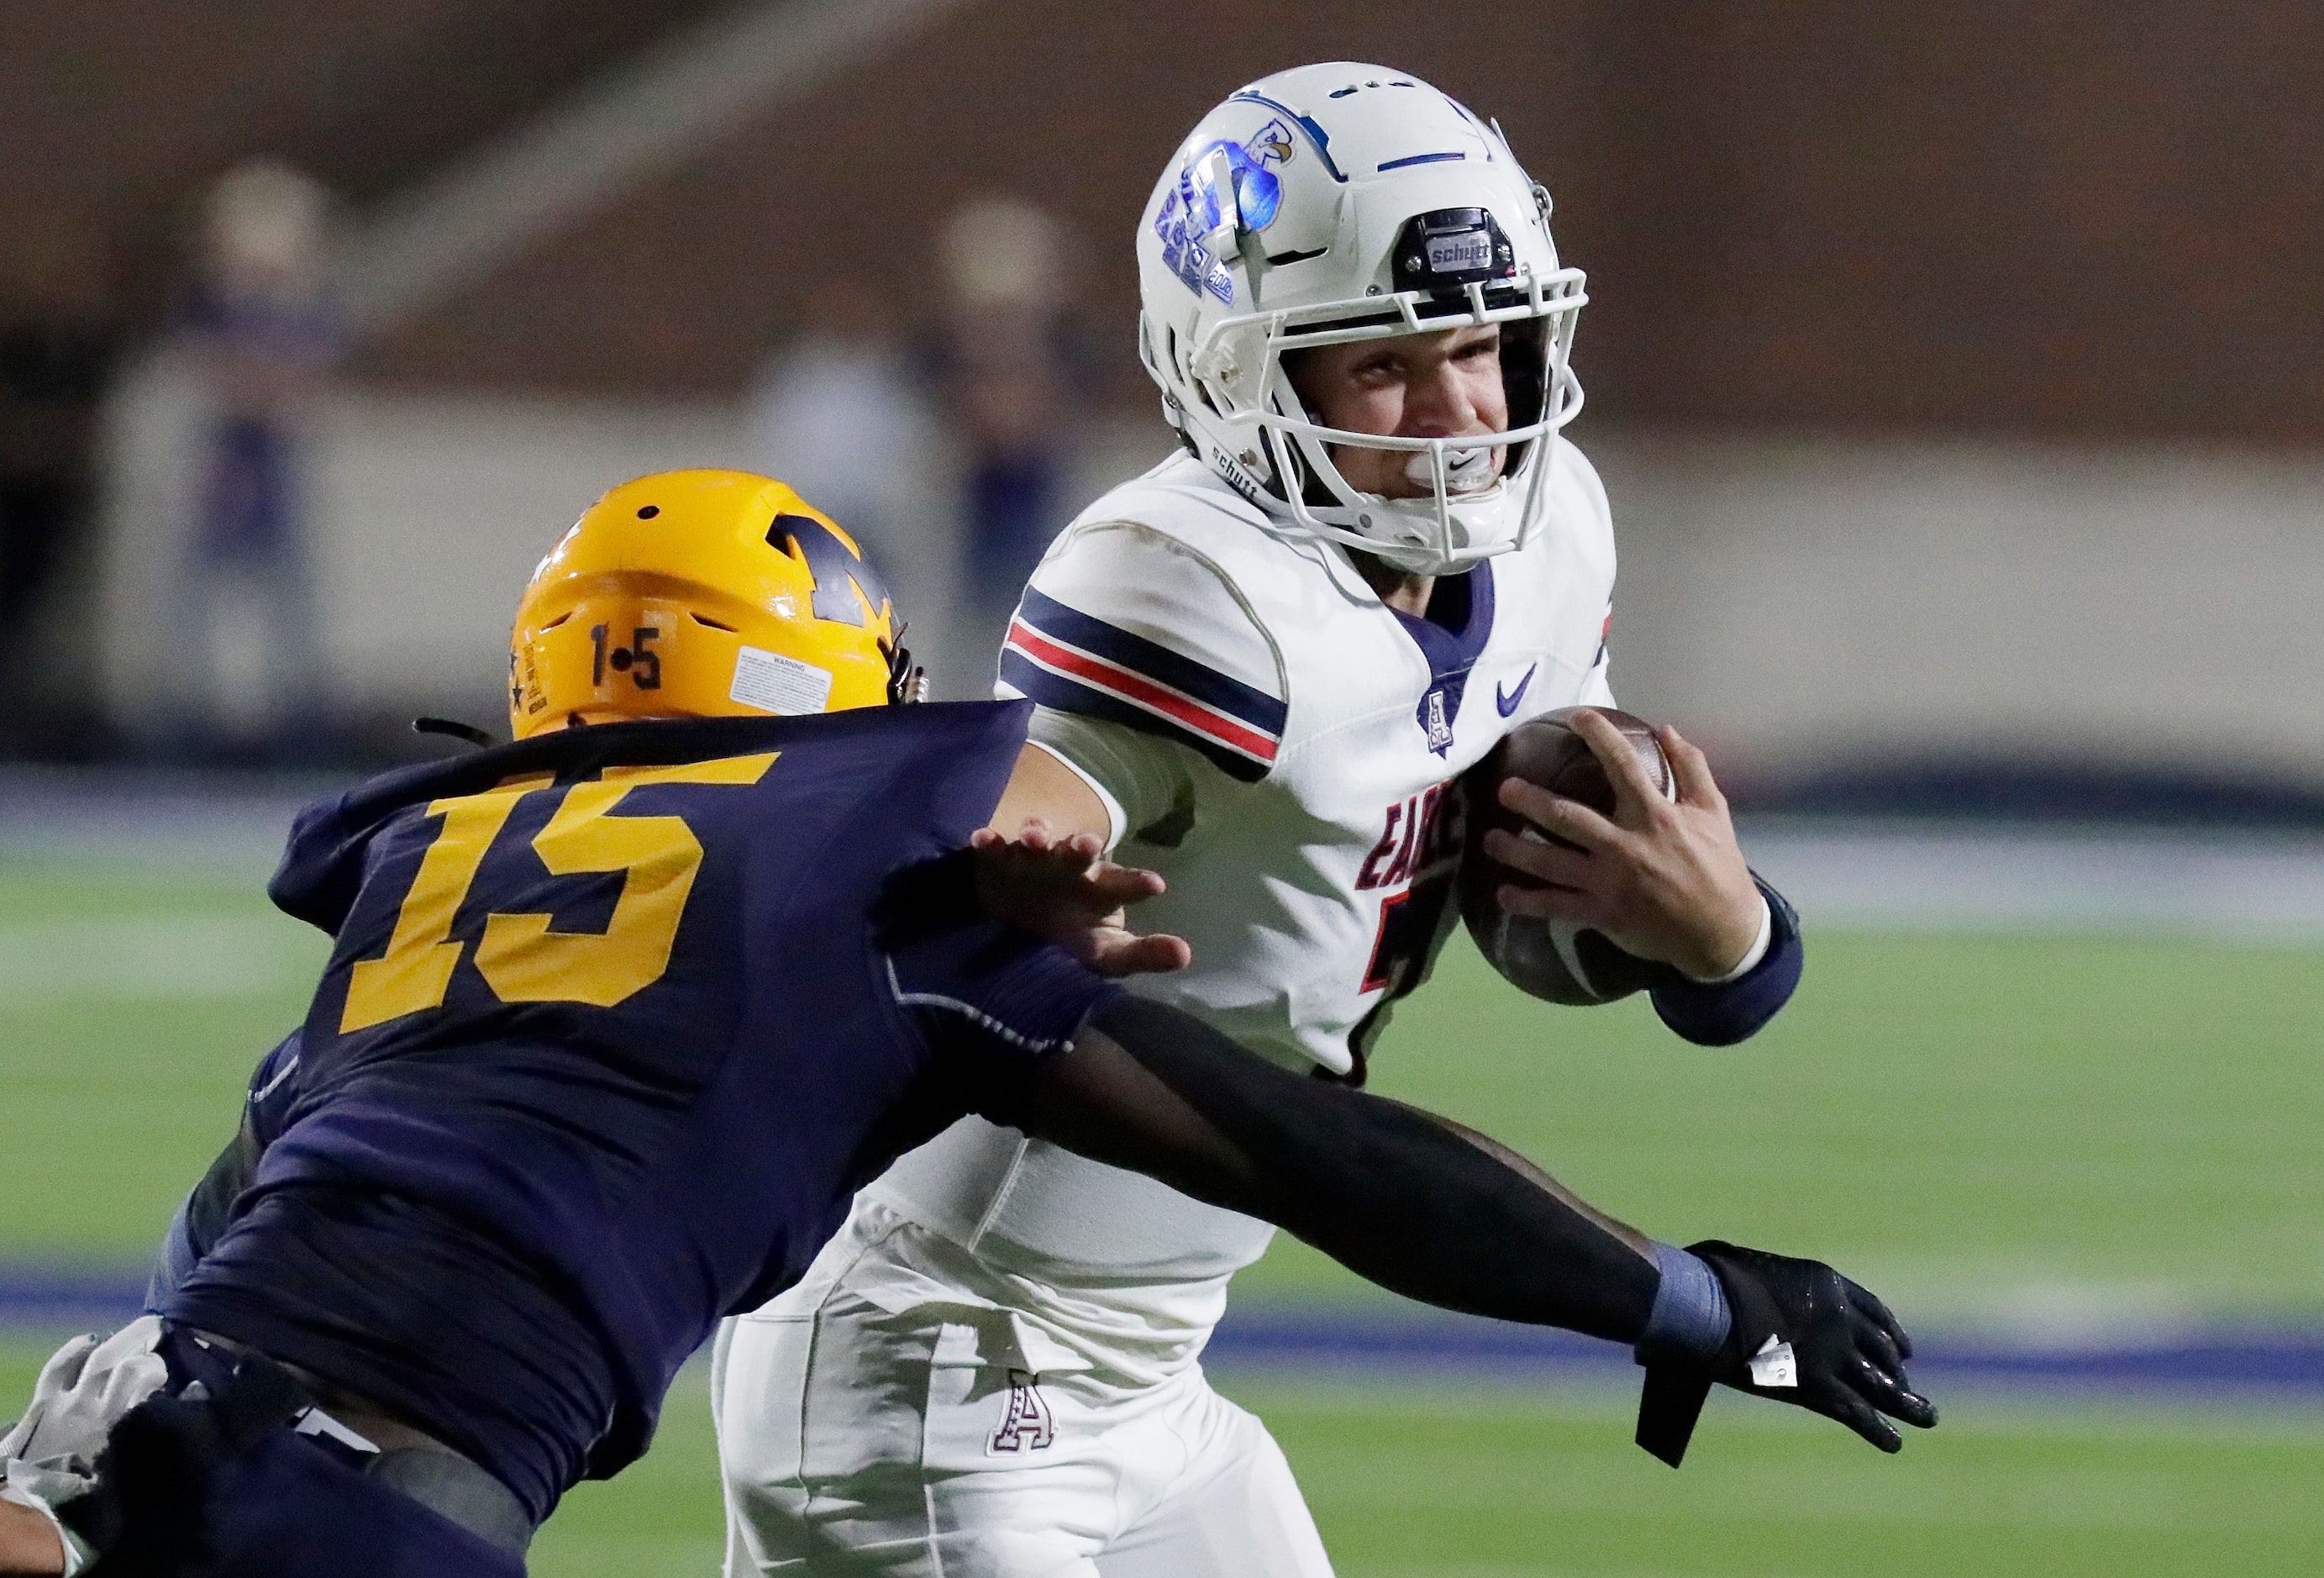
[1689, 1319]
[1751, 957]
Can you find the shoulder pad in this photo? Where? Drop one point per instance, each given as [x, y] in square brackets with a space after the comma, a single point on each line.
[1575, 484]
[1129, 623]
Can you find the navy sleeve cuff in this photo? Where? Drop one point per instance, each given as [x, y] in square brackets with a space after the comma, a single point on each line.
[1734, 1010]
[1001, 984]
[986, 981]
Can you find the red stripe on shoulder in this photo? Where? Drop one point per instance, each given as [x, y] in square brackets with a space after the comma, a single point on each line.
[1130, 686]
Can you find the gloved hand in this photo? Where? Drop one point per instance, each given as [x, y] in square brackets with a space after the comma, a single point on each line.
[1800, 1333]
[84, 1389]
[49, 1457]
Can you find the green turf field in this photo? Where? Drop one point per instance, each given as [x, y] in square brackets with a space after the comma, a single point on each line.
[1408, 1482]
[1990, 1128]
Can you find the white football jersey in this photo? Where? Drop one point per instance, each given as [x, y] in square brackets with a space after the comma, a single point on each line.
[1281, 746]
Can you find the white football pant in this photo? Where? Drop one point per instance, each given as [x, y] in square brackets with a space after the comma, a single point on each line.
[857, 1440]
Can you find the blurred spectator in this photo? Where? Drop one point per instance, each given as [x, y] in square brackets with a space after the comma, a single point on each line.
[1015, 369]
[839, 414]
[56, 343]
[260, 337]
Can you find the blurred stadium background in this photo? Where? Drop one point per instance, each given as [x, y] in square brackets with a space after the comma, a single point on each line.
[1957, 372]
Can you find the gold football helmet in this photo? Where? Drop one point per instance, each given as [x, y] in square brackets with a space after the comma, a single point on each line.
[702, 593]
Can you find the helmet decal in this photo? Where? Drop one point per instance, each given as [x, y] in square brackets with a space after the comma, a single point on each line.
[1226, 188]
[1315, 133]
[846, 588]
[1273, 145]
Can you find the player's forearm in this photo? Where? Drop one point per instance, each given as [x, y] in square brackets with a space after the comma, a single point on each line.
[1525, 1167]
[28, 1542]
[1045, 789]
[1398, 1196]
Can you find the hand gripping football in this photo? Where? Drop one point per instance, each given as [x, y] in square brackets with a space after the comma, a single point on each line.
[1557, 961]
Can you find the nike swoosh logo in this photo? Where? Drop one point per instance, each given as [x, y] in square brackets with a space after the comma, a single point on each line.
[1507, 700]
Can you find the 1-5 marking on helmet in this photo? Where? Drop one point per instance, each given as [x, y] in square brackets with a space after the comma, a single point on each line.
[621, 660]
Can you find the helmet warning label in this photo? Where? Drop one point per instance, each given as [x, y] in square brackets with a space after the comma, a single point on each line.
[776, 683]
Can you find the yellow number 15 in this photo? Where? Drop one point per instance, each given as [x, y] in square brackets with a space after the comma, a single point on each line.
[520, 958]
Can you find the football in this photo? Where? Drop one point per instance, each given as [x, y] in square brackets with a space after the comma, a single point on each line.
[1557, 961]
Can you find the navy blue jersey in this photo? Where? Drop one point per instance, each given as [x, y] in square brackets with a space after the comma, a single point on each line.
[616, 1022]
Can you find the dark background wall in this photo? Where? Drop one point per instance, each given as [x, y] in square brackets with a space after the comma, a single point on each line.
[2080, 219]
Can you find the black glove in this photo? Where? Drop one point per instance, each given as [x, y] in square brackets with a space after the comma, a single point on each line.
[1846, 1353]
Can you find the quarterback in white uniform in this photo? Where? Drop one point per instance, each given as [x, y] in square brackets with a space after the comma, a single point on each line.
[1261, 668]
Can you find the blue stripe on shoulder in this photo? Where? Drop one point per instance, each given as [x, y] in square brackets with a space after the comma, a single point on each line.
[1055, 690]
[1135, 652]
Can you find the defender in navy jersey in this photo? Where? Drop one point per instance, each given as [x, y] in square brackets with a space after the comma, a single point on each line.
[615, 1000]
[618, 1017]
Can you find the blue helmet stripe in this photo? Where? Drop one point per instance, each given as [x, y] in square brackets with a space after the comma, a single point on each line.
[1420, 159]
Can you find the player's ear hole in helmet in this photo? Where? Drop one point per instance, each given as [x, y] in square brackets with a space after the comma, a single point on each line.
[704, 594]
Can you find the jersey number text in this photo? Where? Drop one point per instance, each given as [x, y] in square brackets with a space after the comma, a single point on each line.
[519, 956]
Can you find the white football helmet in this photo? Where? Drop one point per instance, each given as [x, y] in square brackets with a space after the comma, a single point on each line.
[1344, 202]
